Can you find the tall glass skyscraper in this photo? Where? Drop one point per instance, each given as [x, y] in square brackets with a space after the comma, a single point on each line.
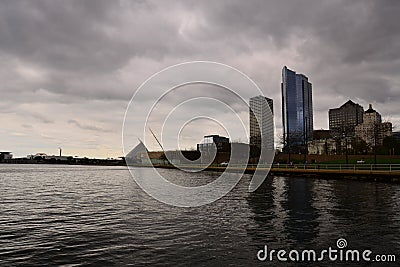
[262, 122]
[297, 108]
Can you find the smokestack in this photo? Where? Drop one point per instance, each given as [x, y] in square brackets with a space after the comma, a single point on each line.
[60, 150]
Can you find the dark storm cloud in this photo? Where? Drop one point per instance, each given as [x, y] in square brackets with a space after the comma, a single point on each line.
[56, 54]
[65, 35]
[360, 39]
[78, 42]
[81, 44]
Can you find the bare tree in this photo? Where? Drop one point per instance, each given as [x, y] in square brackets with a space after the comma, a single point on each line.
[293, 143]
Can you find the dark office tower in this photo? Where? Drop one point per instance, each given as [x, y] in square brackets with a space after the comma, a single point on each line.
[343, 120]
[297, 108]
[261, 122]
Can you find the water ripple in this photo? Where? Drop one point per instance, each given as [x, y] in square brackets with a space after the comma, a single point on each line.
[89, 215]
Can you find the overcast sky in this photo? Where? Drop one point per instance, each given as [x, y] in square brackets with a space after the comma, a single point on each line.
[69, 68]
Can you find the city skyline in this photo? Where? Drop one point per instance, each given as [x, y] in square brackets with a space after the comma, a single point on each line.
[199, 133]
[298, 79]
[70, 69]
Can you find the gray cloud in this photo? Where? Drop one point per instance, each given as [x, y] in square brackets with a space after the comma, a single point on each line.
[84, 59]
[87, 127]
[39, 117]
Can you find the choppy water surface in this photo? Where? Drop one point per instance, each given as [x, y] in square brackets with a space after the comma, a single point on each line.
[91, 215]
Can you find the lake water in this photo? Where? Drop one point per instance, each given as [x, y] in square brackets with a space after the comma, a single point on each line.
[97, 216]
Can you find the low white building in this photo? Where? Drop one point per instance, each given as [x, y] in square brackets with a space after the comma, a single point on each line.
[322, 147]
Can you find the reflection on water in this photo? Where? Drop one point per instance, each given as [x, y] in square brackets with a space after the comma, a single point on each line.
[83, 215]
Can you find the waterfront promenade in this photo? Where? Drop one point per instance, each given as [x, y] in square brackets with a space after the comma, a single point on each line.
[370, 172]
[367, 172]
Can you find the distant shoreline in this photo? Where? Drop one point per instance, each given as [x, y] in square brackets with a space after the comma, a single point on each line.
[91, 162]
[369, 173]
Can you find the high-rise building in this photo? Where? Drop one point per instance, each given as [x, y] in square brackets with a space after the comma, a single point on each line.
[343, 120]
[373, 130]
[297, 108]
[261, 122]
